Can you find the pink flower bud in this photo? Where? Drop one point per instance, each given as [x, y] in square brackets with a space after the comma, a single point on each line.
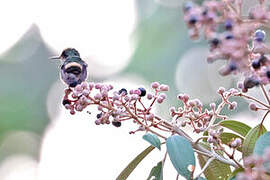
[98, 86]
[180, 97]
[115, 97]
[72, 112]
[197, 102]
[104, 93]
[164, 87]
[233, 105]
[233, 91]
[137, 91]
[127, 98]
[160, 100]
[185, 98]
[110, 87]
[131, 91]
[213, 106]
[97, 122]
[134, 97]
[233, 144]
[84, 85]
[91, 86]
[155, 85]
[183, 123]
[98, 96]
[221, 90]
[67, 106]
[149, 96]
[150, 117]
[163, 96]
[238, 141]
[85, 92]
[191, 103]
[78, 88]
[253, 107]
[172, 109]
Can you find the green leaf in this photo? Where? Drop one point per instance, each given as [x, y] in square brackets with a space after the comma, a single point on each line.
[251, 138]
[152, 139]
[134, 163]
[205, 134]
[156, 172]
[236, 126]
[234, 173]
[200, 178]
[262, 143]
[181, 154]
[226, 138]
[215, 168]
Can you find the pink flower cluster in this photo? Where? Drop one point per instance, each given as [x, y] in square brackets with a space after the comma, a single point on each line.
[116, 106]
[256, 167]
[240, 42]
[192, 113]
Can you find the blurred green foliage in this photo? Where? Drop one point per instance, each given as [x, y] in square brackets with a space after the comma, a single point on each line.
[26, 76]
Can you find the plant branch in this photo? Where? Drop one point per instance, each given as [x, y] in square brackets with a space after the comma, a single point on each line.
[252, 98]
[205, 166]
[265, 94]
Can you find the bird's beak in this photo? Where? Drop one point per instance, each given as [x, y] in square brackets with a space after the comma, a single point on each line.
[54, 57]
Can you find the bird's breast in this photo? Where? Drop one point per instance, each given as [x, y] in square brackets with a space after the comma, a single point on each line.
[73, 67]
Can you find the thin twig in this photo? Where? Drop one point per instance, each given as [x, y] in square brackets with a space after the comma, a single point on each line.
[252, 98]
[164, 159]
[265, 94]
[205, 166]
[203, 137]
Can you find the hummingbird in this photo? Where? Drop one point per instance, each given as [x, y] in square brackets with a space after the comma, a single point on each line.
[73, 69]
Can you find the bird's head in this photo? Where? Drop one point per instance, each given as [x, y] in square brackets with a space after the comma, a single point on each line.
[66, 53]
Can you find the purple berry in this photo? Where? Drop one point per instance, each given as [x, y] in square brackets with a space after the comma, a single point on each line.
[99, 115]
[215, 42]
[66, 101]
[268, 73]
[250, 83]
[260, 35]
[232, 66]
[256, 64]
[123, 91]
[229, 36]
[143, 92]
[228, 24]
[116, 123]
[193, 20]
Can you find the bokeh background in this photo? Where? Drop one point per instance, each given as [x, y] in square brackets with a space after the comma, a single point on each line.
[126, 43]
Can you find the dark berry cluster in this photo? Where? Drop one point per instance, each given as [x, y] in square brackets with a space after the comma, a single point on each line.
[233, 37]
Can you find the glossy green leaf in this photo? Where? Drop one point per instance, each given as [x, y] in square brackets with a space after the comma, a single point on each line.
[236, 126]
[152, 139]
[134, 163]
[262, 143]
[234, 173]
[251, 138]
[181, 154]
[226, 138]
[156, 172]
